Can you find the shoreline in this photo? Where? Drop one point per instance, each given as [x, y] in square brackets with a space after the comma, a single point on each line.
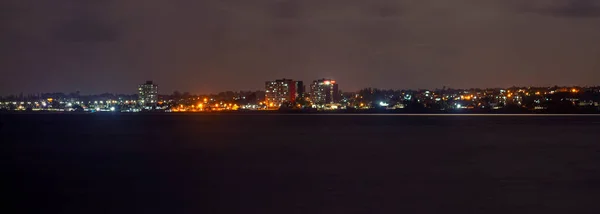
[308, 113]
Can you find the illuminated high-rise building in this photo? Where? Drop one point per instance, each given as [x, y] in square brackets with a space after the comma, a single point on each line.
[282, 91]
[148, 93]
[324, 91]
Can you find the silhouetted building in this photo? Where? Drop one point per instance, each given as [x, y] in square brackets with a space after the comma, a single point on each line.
[300, 89]
[148, 93]
[282, 91]
[324, 91]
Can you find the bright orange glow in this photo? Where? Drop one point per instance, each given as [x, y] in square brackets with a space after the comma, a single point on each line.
[50, 99]
[537, 93]
[271, 104]
[260, 103]
[327, 82]
[362, 104]
[205, 99]
[332, 81]
[509, 95]
[574, 90]
[217, 105]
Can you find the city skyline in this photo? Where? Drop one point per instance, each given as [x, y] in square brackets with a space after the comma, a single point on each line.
[96, 88]
[323, 95]
[163, 91]
[212, 46]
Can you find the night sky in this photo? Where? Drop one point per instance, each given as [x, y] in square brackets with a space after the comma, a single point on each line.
[206, 46]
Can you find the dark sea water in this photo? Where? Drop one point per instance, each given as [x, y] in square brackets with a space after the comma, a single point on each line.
[104, 163]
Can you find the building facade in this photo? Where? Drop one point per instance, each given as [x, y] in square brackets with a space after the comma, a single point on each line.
[324, 91]
[282, 91]
[148, 93]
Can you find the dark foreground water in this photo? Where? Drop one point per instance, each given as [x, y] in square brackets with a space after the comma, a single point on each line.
[300, 164]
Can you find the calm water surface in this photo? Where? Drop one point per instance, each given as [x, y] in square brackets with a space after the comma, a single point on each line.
[94, 163]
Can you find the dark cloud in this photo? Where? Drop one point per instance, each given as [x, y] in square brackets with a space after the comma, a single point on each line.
[286, 9]
[87, 21]
[578, 8]
[86, 29]
[563, 8]
[216, 45]
[385, 11]
[7, 11]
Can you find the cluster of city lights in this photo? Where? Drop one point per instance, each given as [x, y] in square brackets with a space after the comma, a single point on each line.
[323, 94]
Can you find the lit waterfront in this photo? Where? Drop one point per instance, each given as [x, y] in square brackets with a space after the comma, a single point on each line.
[324, 96]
